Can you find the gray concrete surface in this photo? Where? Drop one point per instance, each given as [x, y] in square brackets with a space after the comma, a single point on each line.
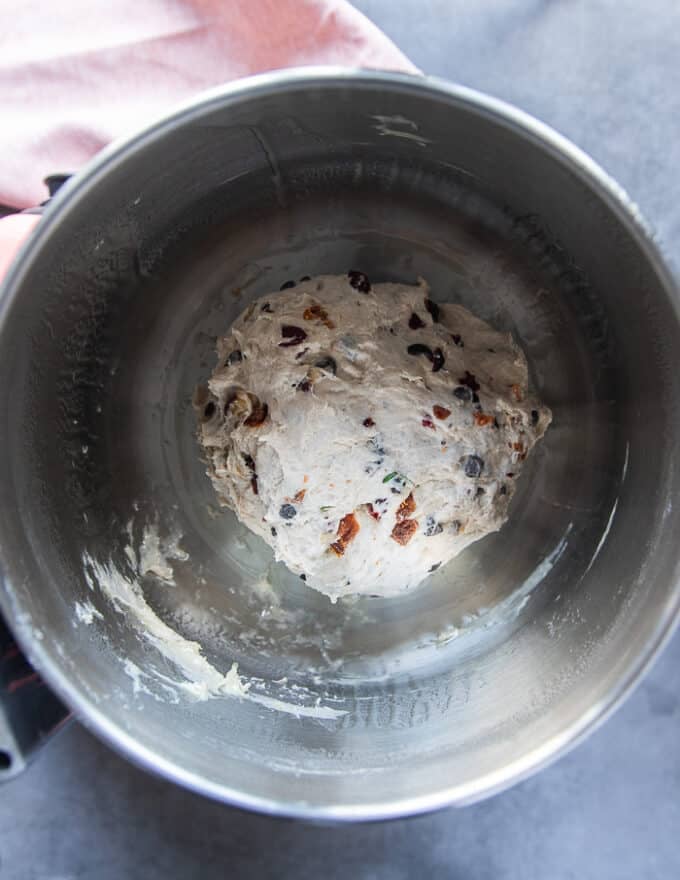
[606, 74]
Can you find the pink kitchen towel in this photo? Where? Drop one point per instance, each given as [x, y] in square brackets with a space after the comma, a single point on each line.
[77, 74]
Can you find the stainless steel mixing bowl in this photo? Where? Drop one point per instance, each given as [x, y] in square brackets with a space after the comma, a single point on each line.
[372, 708]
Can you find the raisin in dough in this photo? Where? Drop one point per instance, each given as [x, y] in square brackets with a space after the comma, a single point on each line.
[367, 434]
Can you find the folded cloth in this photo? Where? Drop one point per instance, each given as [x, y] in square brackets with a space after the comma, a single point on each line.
[75, 75]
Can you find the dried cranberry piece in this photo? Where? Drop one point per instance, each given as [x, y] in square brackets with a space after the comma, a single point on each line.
[428, 423]
[305, 385]
[441, 412]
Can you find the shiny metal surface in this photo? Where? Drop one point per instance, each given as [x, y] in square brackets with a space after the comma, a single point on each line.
[108, 320]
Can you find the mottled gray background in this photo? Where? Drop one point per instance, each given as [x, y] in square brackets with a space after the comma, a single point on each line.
[607, 74]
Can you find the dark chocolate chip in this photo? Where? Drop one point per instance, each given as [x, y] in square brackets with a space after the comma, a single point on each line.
[327, 364]
[475, 397]
[462, 393]
[474, 465]
[234, 358]
[305, 278]
[209, 410]
[534, 416]
[267, 308]
[294, 335]
[416, 322]
[470, 380]
[249, 461]
[273, 531]
[437, 360]
[436, 357]
[368, 423]
[503, 490]
[433, 567]
[480, 492]
[287, 511]
[303, 577]
[433, 309]
[457, 340]
[418, 348]
[359, 281]
[432, 527]
[287, 285]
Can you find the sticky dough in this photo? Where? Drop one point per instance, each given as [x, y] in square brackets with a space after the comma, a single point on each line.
[367, 434]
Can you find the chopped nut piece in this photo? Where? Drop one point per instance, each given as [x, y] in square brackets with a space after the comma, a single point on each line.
[317, 313]
[406, 508]
[482, 420]
[258, 413]
[404, 531]
[348, 529]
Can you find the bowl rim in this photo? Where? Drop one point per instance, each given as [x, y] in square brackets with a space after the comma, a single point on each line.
[49, 664]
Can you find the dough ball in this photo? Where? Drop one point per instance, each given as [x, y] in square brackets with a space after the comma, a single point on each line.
[367, 434]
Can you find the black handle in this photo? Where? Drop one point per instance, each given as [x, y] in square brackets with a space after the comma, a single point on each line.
[29, 712]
